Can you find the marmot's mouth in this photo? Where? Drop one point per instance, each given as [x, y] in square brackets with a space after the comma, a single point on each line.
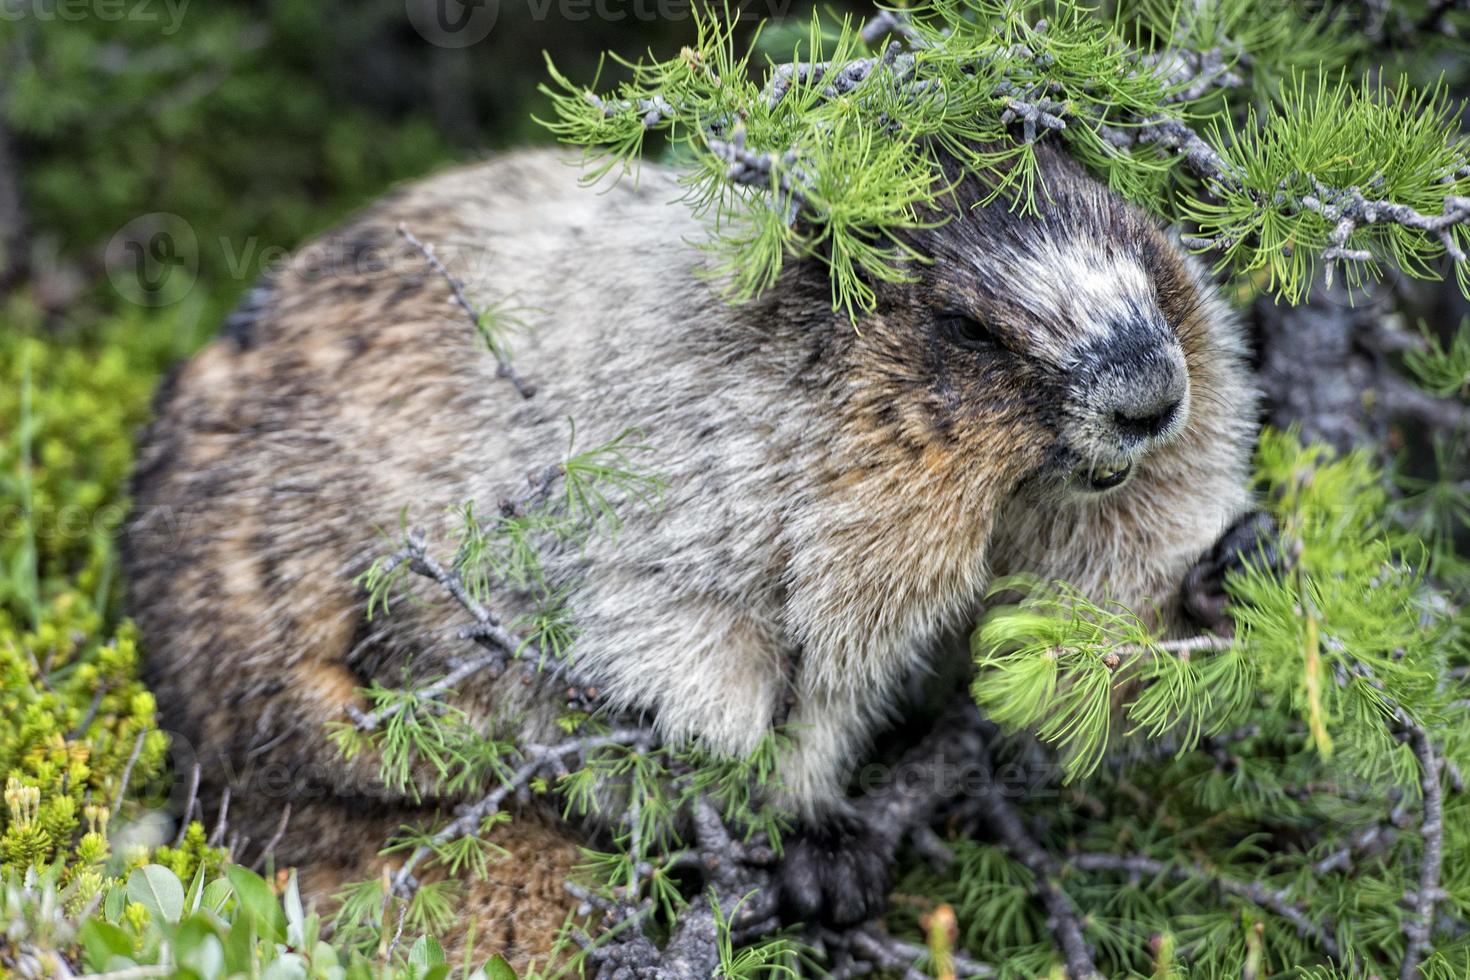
[1108, 476]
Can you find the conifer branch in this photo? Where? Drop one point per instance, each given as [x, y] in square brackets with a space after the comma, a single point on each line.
[1370, 840]
[1351, 209]
[1184, 648]
[652, 110]
[488, 631]
[782, 176]
[1007, 78]
[875, 948]
[540, 761]
[737, 887]
[1420, 927]
[1176, 136]
[1399, 397]
[737, 875]
[890, 22]
[1423, 899]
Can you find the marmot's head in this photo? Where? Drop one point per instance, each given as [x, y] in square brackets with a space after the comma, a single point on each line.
[1064, 346]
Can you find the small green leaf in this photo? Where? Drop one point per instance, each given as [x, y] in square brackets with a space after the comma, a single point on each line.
[426, 953]
[497, 968]
[158, 890]
[240, 946]
[216, 894]
[101, 941]
[196, 891]
[295, 914]
[113, 906]
[197, 947]
[258, 902]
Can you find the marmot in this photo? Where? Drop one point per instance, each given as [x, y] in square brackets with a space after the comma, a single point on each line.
[1060, 392]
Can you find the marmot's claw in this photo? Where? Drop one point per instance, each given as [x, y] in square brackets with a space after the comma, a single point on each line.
[835, 874]
[1250, 540]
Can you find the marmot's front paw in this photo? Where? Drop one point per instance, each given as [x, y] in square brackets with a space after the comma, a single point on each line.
[1251, 539]
[836, 874]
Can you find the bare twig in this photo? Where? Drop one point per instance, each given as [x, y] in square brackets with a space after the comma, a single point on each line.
[888, 953]
[1399, 397]
[488, 631]
[81, 729]
[221, 820]
[539, 761]
[189, 802]
[270, 846]
[890, 22]
[127, 773]
[1370, 840]
[457, 289]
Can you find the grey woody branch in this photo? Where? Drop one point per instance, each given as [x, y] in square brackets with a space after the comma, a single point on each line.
[1190, 75]
[1274, 900]
[1351, 209]
[538, 762]
[782, 176]
[503, 647]
[1063, 918]
[736, 879]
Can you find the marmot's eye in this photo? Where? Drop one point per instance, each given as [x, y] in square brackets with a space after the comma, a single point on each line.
[965, 331]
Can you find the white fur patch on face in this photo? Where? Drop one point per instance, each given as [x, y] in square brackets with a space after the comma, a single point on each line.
[1075, 290]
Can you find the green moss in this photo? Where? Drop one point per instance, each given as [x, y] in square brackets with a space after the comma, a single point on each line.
[79, 722]
[192, 855]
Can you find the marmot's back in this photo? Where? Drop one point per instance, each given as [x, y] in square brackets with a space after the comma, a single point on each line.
[346, 390]
[349, 389]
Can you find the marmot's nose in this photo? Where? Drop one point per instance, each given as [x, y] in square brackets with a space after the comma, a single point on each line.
[1148, 418]
[1135, 383]
[1142, 400]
